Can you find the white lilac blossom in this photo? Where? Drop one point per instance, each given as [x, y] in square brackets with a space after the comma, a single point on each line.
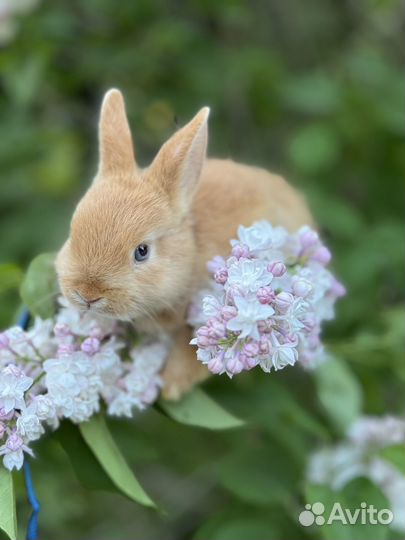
[266, 303]
[66, 367]
[359, 456]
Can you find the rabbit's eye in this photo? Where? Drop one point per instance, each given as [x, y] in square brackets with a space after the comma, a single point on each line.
[141, 253]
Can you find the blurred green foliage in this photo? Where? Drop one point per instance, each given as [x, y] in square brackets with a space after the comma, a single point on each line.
[313, 90]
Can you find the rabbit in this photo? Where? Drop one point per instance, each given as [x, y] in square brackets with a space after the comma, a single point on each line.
[140, 238]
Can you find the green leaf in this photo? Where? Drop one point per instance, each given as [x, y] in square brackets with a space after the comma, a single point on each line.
[314, 148]
[259, 475]
[314, 93]
[196, 408]
[8, 516]
[10, 276]
[98, 437]
[339, 392]
[86, 466]
[350, 497]
[238, 528]
[38, 290]
[239, 522]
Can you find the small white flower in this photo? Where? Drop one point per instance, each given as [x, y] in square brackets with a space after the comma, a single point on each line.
[13, 384]
[109, 366]
[73, 384]
[13, 460]
[294, 315]
[83, 323]
[13, 452]
[29, 426]
[261, 235]
[18, 345]
[249, 312]
[40, 335]
[248, 276]
[211, 306]
[283, 355]
[149, 359]
[44, 408]
[122, 405]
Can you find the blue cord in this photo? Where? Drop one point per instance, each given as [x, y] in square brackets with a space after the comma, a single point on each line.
[32, 528]
[24, 319]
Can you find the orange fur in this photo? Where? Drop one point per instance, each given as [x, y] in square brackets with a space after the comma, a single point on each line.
[185, 207]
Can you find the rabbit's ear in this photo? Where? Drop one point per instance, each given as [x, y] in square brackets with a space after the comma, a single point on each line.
[177, 167]
[115, 141]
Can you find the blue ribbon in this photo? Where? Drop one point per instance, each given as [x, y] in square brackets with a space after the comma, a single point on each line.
[32, 528]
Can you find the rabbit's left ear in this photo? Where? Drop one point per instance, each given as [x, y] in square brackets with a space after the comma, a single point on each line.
[178, 165]
[115, 142]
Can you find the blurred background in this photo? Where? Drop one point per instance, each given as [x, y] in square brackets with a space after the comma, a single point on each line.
[312, 90]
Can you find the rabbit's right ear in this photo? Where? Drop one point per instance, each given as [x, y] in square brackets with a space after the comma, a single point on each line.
[115, 142]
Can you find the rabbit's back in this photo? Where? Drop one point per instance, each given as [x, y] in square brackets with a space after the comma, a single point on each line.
[230, 194]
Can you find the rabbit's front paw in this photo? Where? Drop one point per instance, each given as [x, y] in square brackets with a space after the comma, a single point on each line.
[181, 372]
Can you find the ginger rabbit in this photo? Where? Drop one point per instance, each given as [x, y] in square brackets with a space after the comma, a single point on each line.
[140, 238]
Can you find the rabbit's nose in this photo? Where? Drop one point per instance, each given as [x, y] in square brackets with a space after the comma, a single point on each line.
[87, 300]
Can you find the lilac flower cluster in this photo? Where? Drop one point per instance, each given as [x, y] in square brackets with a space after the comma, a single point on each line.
[359, 455]
[266, 302]
[63, 368]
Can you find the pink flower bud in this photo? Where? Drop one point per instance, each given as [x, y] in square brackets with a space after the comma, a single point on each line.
[265, 295]
[264, 327]
[284, 300]
[308, 238]
[216, 264]
[4, 341]
[14, 442]
[234, 365]
[249, 362]
[228, 313]
[61, 330]
[216, 329]
[291, 338]
[322, 255]
[150, 395]
[204, 341]
[313, 340]
[221, 276]
[251, 349]
[65, 349]
[203, 337]
[203, 331]
[264, 346]
[97, 333]
[90, 346]
[216, 365]
[240, 251]
[309, 322]
[301, 287]
[6, 416]
[250, 355]
[277, 268]
[337, 289]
